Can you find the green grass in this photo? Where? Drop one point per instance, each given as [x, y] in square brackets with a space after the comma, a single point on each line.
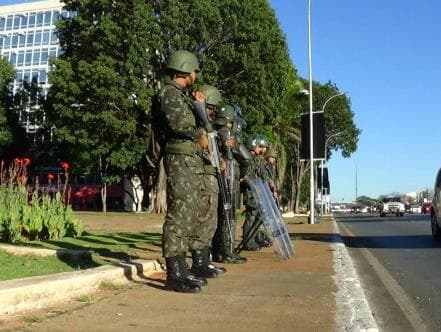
[106, 248]
[13, 266]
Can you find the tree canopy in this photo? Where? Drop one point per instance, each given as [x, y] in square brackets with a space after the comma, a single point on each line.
[6, 76]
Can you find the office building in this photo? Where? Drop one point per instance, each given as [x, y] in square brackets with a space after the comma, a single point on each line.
[27, 40]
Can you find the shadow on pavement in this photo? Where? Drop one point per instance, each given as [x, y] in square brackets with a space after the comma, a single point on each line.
[391, 242]
[319, 237]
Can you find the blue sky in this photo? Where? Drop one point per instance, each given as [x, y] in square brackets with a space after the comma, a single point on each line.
[387, 56]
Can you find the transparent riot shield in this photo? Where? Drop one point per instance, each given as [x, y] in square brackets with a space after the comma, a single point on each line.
[272, 219]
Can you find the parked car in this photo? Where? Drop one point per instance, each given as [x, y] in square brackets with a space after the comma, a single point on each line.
[435, 210]
[392, 205]
[425, 208]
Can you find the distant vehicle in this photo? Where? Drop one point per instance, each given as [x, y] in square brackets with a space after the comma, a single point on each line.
[425, 208]
[392, 205]
[415, 209]
[435, 210]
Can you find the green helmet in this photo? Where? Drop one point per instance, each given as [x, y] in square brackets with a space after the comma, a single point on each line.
[212, 94]
[262, 141]
[252, 143]
[183, 61]
[224, 115]
[271, 152]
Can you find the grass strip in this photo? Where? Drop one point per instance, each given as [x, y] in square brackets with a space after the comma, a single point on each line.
[14, 266]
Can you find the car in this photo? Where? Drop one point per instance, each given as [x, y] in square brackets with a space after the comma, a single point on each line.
[425, 208]
[392, 205]
[415, 209]
[435, 209]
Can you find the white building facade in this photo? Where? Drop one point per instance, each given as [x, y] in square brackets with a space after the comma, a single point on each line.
[27, 40]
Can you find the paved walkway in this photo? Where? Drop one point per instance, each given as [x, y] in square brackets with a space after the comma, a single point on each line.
[264, 294]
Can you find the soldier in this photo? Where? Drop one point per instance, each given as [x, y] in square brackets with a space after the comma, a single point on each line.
[254, 240]
[183, 166]
[205, 227]
[223, 241]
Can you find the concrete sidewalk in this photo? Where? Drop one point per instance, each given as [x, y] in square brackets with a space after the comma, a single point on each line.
[264, 294]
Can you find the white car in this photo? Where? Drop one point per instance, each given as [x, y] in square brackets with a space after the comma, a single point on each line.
[392, 205]
[415, 209]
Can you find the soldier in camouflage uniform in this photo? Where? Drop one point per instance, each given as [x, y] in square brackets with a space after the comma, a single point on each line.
[223, 241]
[183, 166]
[257, 146]
[205, 227]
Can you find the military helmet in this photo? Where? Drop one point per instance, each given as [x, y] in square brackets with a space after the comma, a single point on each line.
[252, 143]
[224, 115]
[262, 141]
[212, 95]
[183, 61]
[271, 152]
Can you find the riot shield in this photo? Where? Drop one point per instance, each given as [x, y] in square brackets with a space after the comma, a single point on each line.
[272, 219]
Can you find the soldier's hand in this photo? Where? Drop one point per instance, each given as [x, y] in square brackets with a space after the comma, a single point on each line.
[203, 142]
[223, 167]
[230, 142]
[198, 96]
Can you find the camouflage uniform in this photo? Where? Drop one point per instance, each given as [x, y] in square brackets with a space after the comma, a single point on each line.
[257, 168]
[223, 242]
[183, 166]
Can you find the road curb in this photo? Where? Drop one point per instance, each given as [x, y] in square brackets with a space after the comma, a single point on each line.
[42, 291]
[353, 310]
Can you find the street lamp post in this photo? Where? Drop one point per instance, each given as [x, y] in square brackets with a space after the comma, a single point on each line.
[322, 165]
[311, 127]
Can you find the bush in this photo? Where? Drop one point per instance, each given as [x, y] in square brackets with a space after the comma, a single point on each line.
[29, 213]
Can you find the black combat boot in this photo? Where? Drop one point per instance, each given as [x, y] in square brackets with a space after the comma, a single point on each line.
[176, 280]
[199, 281]
[200, 264]
[213, 267]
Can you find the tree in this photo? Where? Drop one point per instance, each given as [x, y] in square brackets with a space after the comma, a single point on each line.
[6, 76]
[103, 83]
[339, 124]
[242, 50]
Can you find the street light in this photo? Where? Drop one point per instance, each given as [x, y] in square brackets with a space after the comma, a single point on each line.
[311, 127]
[322, 165]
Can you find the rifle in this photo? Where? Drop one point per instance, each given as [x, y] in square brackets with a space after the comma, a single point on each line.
[214, 156]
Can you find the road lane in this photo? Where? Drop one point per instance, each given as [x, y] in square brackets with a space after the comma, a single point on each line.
[400, 267]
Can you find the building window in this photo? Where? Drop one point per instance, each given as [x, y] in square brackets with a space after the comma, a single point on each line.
[18, 76]
[53, 52]
[46, 35]
[30, 40]
[24, 21]
[14, 59]
[36, 58]
[44, 55]
[8, 41]
[28, 58]
[54, 38]
[20, 59]
[42, 77]
[31, 20]
[37, 38]
[40, 19]
[17, 22]
[2, 23]
[47, 18]
[22, 40]
[14, 40]
[9, 22]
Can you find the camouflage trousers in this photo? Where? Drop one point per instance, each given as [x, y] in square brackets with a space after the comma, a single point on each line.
[252, 219]
[183, 199]
[204, 228]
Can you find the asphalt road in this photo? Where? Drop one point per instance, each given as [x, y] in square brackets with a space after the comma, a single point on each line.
[399, 266]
